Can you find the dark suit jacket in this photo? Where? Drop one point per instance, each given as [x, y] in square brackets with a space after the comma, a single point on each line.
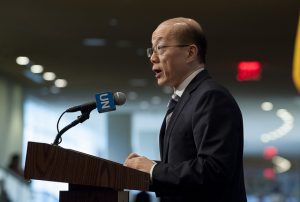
[202, 149]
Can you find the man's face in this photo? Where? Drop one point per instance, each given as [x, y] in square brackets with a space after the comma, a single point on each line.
[169, 63]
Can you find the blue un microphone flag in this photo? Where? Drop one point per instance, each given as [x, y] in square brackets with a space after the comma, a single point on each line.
[105, 102]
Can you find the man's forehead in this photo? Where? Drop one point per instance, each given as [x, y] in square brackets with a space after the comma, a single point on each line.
[162, 32]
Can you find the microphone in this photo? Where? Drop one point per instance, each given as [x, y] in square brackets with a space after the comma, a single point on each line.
[105, 102]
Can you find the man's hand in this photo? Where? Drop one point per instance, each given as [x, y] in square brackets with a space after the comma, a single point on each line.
[138, 162]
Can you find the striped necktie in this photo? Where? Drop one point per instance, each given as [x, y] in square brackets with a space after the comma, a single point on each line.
[171, 106]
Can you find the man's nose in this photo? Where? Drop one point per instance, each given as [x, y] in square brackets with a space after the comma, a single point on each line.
[154, 58]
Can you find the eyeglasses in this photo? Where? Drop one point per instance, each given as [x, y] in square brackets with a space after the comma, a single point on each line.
[158, 49]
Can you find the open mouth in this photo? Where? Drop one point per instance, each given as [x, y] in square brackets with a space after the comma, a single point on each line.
[157, 72]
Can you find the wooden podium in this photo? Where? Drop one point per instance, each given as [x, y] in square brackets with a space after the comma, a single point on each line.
[91, 179]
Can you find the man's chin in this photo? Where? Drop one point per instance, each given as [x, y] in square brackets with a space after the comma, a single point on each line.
[161, 83]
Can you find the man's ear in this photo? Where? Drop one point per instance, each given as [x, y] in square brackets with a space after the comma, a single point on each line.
[192, 53]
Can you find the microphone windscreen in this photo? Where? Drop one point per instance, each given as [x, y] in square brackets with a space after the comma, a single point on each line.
[120, 98]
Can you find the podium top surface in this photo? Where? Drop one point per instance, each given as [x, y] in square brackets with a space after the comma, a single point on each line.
[54, 163]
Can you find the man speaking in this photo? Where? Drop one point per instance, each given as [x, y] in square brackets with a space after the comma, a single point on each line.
[201, 137]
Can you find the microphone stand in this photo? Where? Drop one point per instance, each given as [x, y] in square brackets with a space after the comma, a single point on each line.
[85, 115]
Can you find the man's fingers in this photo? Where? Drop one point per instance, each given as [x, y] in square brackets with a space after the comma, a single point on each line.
[132, 155]
[131, 163]
[126, 162]
[140, 163]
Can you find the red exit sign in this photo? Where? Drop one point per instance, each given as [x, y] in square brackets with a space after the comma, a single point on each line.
[249, 70]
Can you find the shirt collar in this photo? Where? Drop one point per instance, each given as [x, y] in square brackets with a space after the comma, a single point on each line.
[179, 91]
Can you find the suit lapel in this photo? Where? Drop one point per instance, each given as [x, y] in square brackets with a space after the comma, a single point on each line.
[183, 100]
[161, 138]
